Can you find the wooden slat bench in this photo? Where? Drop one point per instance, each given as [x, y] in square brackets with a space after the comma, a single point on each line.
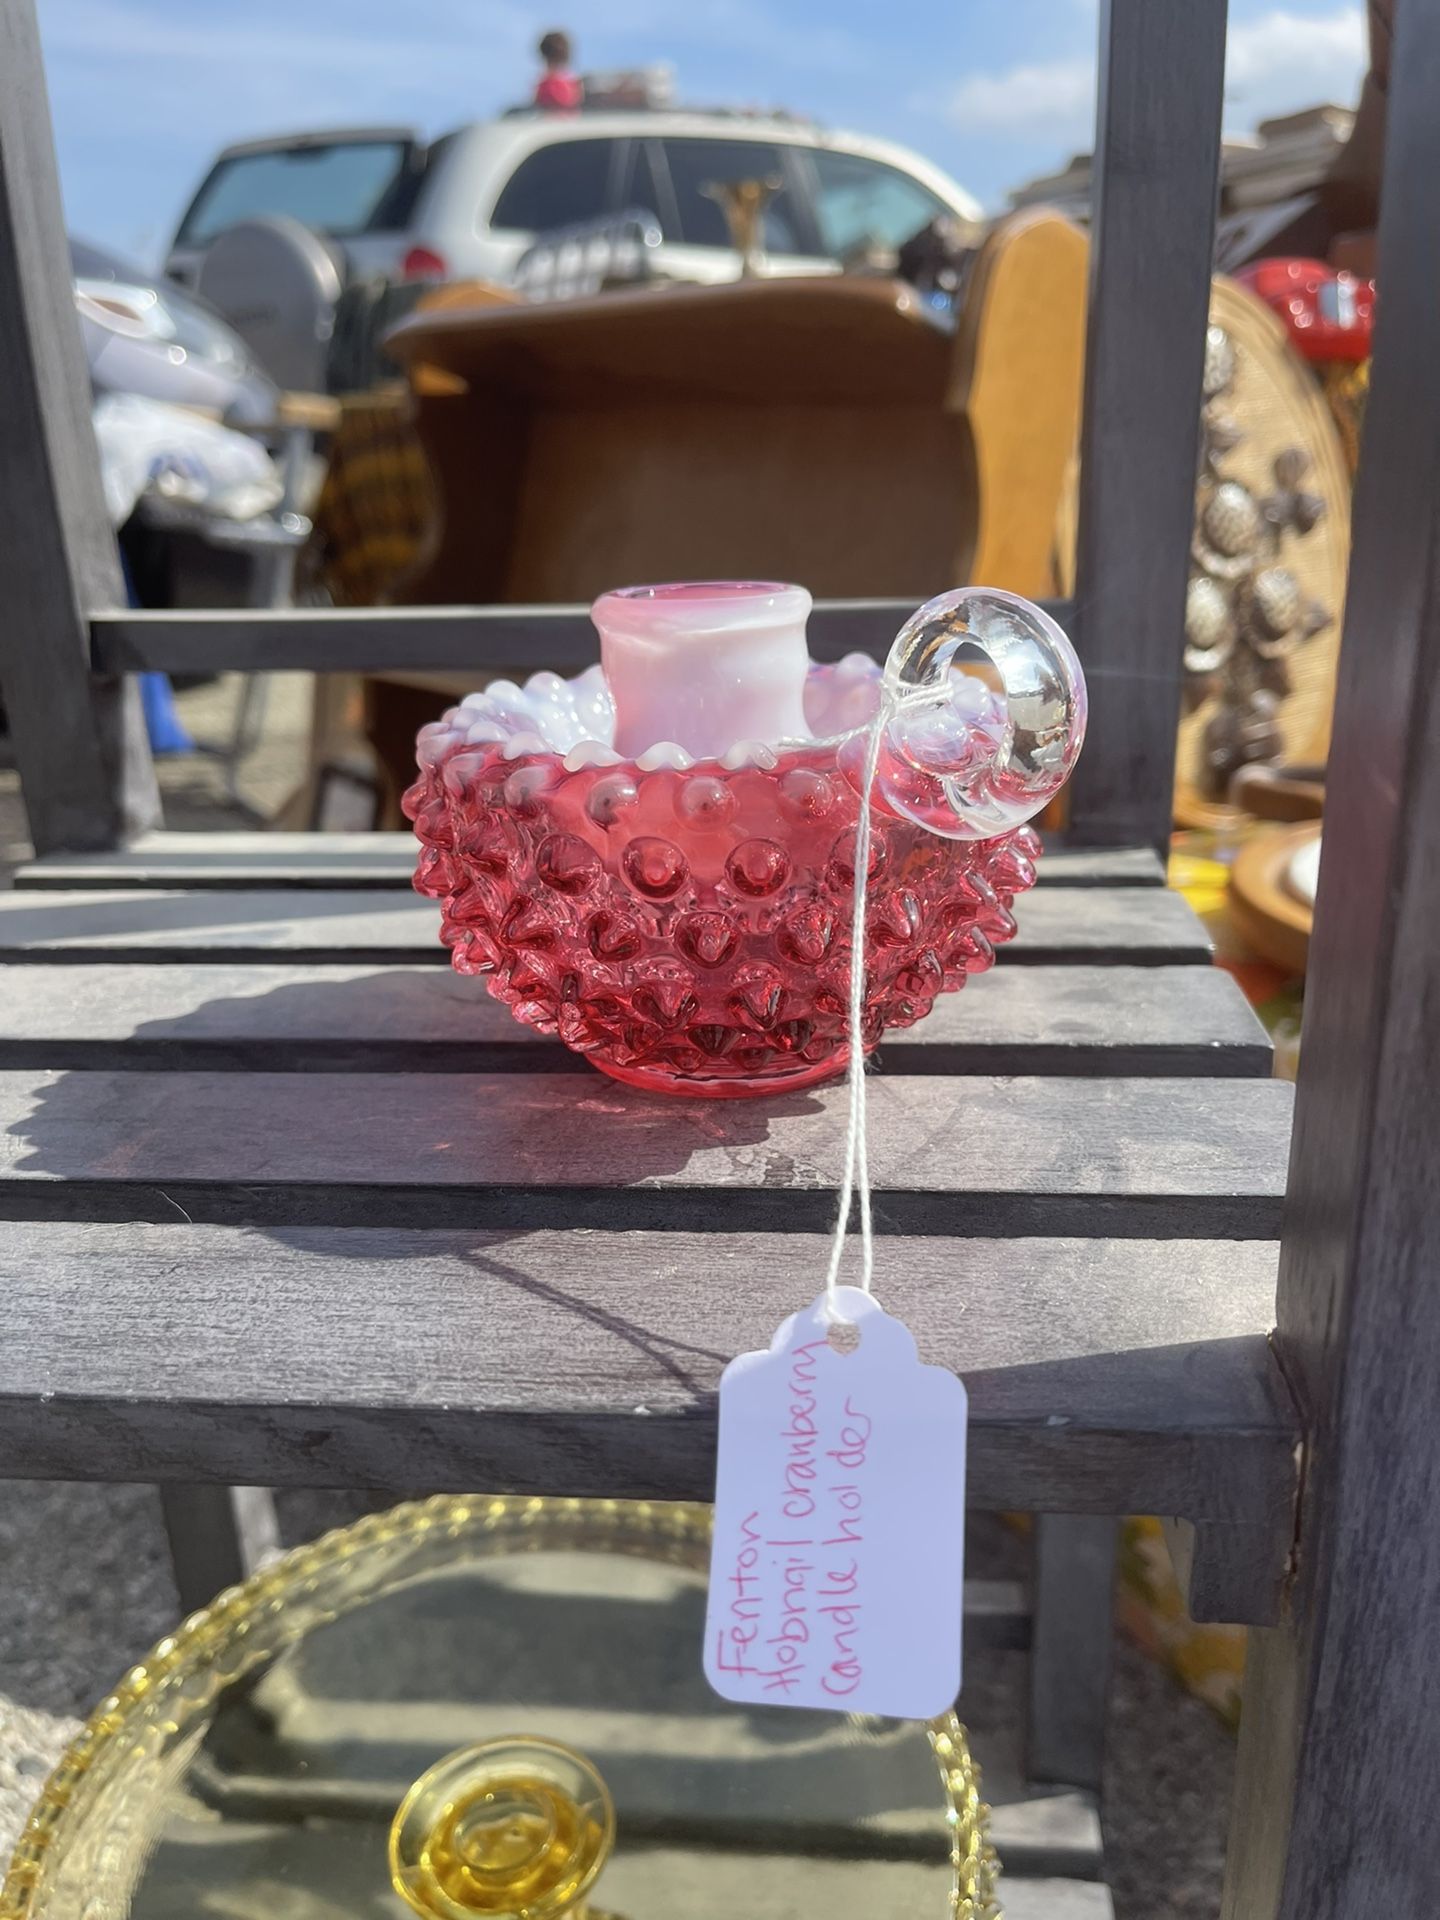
[393, 1238]
[314, 1253]
[220, 1060]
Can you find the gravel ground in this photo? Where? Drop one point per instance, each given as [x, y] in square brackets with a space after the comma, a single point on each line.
[86, 1584]
[193, 787]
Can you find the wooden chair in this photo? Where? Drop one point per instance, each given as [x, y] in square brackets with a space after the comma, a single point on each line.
[221, 1269]
[829, 430]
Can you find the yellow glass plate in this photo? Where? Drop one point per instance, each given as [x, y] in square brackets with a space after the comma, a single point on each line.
[254, 1764]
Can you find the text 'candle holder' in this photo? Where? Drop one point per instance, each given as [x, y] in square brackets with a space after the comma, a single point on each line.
[655, 860]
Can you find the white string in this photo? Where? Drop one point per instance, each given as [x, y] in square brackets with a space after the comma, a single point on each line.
[857, 1162]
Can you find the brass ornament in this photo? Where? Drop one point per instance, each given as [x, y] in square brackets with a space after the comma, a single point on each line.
[1246, 614]
[743, 202]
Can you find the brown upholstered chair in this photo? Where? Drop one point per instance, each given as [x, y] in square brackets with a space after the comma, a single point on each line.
[826, 430]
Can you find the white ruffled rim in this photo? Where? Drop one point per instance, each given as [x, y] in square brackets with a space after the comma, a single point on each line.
[574, 721]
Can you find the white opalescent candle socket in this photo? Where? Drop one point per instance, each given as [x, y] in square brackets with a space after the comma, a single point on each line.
[705, 664]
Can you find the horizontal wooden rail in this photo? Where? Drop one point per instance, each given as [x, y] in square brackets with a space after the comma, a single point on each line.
[289, 1015]
[426, 639]
[385, 862]
[1058, 926]
[1105, 1375]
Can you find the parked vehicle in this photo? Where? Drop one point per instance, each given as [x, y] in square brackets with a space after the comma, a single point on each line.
[188, 428]
[202, 511]
[145, 335]
[472, 202]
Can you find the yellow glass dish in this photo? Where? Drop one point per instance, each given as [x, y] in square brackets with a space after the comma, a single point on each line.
[492, 1701]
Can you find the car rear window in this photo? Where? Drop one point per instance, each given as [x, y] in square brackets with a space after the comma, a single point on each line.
[345, 187]
[557, 186]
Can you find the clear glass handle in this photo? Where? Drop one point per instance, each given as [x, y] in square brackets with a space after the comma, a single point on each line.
[975, 751]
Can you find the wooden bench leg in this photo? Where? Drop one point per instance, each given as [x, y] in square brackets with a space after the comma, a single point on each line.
[1070, 1644]
[218, 1537]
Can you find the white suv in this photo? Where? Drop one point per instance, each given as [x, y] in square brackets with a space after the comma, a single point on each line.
[470, 204]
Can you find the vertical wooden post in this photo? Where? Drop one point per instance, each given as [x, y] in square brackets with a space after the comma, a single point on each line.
[79, 741]
[218, 1537]
[1340, 1744]
[1071, 1640]
[1156, 174]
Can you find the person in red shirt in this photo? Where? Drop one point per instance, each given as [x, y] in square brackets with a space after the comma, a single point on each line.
[557, 90]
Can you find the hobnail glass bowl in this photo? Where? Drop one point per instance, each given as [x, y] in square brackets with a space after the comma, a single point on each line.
[684, 923]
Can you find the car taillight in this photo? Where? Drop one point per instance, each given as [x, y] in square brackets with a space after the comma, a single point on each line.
[423, 263]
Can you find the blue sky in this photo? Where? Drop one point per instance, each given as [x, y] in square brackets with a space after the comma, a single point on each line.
[144, 91]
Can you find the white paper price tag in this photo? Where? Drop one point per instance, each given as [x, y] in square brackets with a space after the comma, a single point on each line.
[836, 1577]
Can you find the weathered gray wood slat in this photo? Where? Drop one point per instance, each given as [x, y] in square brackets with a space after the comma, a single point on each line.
[295, 1018]
[1339, 1764]
[247, 860]
[202, 861]
[488, 639]
[217, 1537]
[1135, 926]
[947, 1155]
[1157, 154]
[80, 743]
[1070, 1647]
[1104, 1376]
[997, 1616]
[1198, 1557]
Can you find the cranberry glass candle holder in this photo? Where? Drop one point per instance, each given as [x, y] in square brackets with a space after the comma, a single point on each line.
[655, 861]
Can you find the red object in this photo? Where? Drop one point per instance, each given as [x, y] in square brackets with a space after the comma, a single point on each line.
[423, 263]
[558, 93]
[687, 929]
[1328, 315]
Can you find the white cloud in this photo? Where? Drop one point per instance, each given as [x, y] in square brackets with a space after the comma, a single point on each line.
[1274, 63]
[146, 65]
[1287, 59]
[1054, 97]
[132, 69]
